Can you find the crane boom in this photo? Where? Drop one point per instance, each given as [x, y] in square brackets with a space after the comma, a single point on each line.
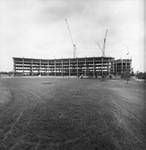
[74, 46]
[104, 42]
[100, 47]
[69, 31]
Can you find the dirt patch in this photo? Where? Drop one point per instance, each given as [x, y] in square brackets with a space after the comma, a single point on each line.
[5, 95]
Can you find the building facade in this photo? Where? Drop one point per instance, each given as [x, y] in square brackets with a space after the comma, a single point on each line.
[88, 66]
[120, 66]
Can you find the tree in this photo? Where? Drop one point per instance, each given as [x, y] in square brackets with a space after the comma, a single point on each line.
[141, 75]
[145, 77]
[126, 75]
[110, 76]
[132, 73]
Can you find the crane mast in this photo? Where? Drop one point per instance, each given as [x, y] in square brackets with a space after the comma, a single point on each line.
[74, 45]
[103, 50]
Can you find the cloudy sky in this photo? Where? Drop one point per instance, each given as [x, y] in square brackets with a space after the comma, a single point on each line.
[37, 29]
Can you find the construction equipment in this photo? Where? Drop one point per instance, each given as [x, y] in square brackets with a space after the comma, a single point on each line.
[103, 49]
[104, 42]
[74, 45]
[103, 52]
[100, 49]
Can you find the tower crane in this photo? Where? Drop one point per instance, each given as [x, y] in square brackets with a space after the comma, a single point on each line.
[74, 45]
[104, 42]
[100, 49]
[103, 49]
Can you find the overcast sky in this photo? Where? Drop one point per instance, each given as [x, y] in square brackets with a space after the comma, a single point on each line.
[37, 29]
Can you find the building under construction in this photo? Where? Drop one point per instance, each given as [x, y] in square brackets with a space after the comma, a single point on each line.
[88, 66]
[120, 66]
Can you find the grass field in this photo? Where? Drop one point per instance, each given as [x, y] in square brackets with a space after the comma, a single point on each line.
[72, 114]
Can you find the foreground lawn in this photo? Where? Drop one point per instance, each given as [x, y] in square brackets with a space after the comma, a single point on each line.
[71, 114]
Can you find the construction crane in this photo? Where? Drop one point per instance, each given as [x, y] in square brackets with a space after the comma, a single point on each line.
[104, 42]
[103, 49]
[100, 49]
[74, 45]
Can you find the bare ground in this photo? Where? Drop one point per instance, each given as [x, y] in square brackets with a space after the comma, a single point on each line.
[72, 114]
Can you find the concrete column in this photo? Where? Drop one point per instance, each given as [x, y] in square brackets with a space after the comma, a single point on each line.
[113, 66]
[85, 67]
[23, 65]
[116, 67]
[48, 68]
[93, 67]
[122, 66]
[14, 67]
[69, 67]
[55, 67]
[126, 64]
[30, 67]
[62, 67]
[102, 66]
[108, 70]
[77, 67]
[40, 67]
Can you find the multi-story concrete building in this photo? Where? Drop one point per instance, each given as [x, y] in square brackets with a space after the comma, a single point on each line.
[119, 66]
[63, 67]
[88, 66]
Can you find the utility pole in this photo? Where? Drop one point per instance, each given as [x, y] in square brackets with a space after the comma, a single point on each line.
[74, 45]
